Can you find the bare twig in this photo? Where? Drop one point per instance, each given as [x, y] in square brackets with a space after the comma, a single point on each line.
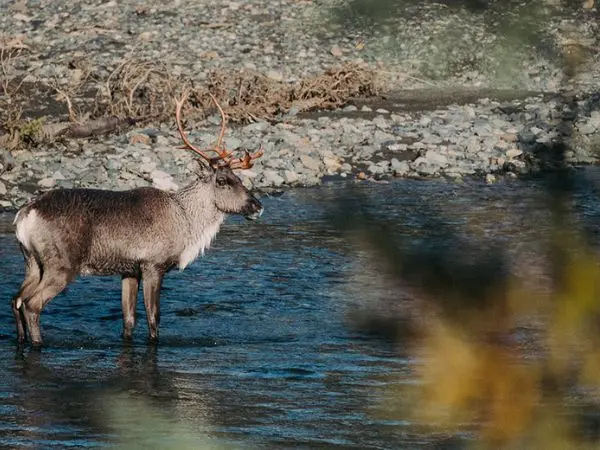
[72, 114]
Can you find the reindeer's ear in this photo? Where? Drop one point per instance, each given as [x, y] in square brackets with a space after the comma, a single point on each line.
[204, 170]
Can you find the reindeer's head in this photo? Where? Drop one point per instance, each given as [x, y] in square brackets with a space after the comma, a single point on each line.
[231, 196]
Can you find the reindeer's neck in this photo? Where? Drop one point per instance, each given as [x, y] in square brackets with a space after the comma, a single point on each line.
[203, 217]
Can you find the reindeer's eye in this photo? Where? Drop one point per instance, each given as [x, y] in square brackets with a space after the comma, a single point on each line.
[221, 181]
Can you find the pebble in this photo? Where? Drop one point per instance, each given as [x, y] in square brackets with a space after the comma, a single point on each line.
[457, 139]
[310, 162]
[46, 183]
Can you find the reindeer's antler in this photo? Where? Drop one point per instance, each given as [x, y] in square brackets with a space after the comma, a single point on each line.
[245, 162]
[224, 157]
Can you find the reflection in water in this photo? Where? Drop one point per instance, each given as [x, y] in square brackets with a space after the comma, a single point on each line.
[288, 332]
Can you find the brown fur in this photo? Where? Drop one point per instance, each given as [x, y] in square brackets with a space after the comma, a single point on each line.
[139, 234]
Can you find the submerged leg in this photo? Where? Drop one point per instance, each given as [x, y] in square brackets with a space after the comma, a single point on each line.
[53, 283]
[129, 293]
[152, 279]
[32, 280]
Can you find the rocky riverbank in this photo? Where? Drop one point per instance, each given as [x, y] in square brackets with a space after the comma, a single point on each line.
[419, 127]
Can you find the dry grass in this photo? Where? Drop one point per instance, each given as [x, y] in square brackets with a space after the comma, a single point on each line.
[148, 89]
[11, 49]
[138, 91]
[137, 88]
[249, 95]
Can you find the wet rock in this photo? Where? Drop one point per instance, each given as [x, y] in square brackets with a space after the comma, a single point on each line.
[332, 163]
[399, 168]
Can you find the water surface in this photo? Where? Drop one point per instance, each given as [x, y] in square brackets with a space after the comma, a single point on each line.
[255, 347]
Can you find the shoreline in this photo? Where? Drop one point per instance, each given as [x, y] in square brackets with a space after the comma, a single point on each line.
[486, 106]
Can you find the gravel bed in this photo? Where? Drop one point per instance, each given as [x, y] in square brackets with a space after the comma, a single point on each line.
[429, 46]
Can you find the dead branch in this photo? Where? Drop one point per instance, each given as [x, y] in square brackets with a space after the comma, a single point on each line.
[103, 125]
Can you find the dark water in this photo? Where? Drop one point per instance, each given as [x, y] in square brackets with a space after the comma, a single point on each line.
[255, 349]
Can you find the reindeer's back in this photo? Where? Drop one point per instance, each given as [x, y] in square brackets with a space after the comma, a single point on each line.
[102, 229]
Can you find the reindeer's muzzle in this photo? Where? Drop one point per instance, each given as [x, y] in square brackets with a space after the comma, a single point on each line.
[253, 209]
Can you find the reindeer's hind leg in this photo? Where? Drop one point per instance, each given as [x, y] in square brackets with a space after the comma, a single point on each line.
[53, 282]
[32, 279]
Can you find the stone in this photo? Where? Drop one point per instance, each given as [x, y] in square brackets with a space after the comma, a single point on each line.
[536, 130]
[7, 159]
[509, 137]
[332, 163]
[290, 176]
[595, 119]
[310, 163]
[399, 167]
[209, 55]
[165, 183]
[381, 137]
[273, 178]
[434, 157]
[140, 139]
[425, 121]
[148, 167]
[513, 153]
[232, 143]
[163, 142]
[586, 128]
[527, 137]
[380, 122]
[274, 75]
[336, 51]
[47, 183]
[159, 174]
[3, 189]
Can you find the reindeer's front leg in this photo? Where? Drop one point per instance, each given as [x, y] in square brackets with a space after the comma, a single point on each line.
[152, 277]
[129, 293]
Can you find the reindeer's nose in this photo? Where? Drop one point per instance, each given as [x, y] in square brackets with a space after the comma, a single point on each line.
[254, 209]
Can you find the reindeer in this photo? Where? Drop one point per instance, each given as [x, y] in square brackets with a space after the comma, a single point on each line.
[139, 234]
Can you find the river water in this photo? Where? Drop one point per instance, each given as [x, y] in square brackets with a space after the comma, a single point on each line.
[256, 349]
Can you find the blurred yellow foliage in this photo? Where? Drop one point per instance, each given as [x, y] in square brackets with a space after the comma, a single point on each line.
[474, 376]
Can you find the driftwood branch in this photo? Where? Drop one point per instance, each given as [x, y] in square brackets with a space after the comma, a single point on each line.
[103, 125]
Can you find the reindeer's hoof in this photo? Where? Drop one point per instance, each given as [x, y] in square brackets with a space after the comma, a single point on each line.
[127, 335]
